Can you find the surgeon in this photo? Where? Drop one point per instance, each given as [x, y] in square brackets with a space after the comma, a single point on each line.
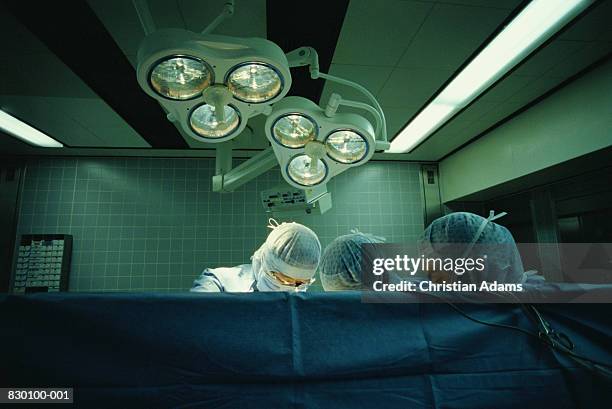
[286, 261]
[340, 267]
[466, 235]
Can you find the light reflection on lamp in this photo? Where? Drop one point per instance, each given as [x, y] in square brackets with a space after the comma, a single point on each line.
[180, 78]
[205, 123]
[294, 130]
[346, 146]
[254, 82]
[303, 171]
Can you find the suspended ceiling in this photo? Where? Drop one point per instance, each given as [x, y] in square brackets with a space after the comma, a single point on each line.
[402, 51]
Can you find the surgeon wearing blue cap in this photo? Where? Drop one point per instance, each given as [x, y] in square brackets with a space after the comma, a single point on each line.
[464, 234]
[340, 267]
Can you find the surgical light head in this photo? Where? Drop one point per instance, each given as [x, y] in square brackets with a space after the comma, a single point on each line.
[194, 75]
[306, 171]
[254, 82]
[206, 121]
[180, 78]
[313, 147]
[346, 146]
[294, 130]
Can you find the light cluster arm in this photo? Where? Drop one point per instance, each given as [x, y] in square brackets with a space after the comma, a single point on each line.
[228, 11]
[228, 180]
[308, 56]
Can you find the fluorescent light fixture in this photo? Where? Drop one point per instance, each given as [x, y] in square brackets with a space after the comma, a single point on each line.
[539, 20]
[25, 132]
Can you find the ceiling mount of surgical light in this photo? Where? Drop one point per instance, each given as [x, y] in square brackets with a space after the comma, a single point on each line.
[210, 85]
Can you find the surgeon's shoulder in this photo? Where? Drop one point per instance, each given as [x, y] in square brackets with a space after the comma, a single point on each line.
[208, 282]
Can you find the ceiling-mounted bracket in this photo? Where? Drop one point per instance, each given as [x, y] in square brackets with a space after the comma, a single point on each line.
[227, 12]
[227, 179]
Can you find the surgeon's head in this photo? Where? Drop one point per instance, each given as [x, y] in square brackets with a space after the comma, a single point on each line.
[465, 235]
[288, 259]
[340, 266]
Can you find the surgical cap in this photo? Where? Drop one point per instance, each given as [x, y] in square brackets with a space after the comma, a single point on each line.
[462, 234]
[291, 248]
[340, 267]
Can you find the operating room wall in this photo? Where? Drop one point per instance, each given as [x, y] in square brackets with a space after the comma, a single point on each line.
[574, 121]
[154, 223]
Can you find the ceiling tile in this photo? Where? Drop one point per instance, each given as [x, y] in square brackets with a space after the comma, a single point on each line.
[102, 121]
[20, 41]
[41, 74]
[548, 57]
[74, 121]
[501, 111]
[379, 34]
[534, 89]
[475, 111]
[450, 35]
[506, 88]
[397, 118]
[500, 4]
[594, 26]
[412, 86]
[449, 137]
[588, 54]
[49, 115]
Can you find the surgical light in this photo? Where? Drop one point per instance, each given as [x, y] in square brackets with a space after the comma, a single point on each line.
[294, 130]
[211, 85]
[313, 144]
[305, 171]
[209, 124]
[180, 78]
[183, 70]
[346, 146]
[539, 20]
[25, 132]
[254, 82]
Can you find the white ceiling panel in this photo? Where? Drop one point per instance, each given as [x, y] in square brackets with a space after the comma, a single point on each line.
[412, 86]
[378, 34]
[450, 34]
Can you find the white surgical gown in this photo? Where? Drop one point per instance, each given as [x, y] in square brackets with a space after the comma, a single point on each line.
[237, 279]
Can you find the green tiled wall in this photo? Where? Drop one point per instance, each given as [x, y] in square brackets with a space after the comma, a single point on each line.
[154, 223]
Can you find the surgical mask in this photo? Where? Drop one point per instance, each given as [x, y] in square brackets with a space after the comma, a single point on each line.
[266, 282]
